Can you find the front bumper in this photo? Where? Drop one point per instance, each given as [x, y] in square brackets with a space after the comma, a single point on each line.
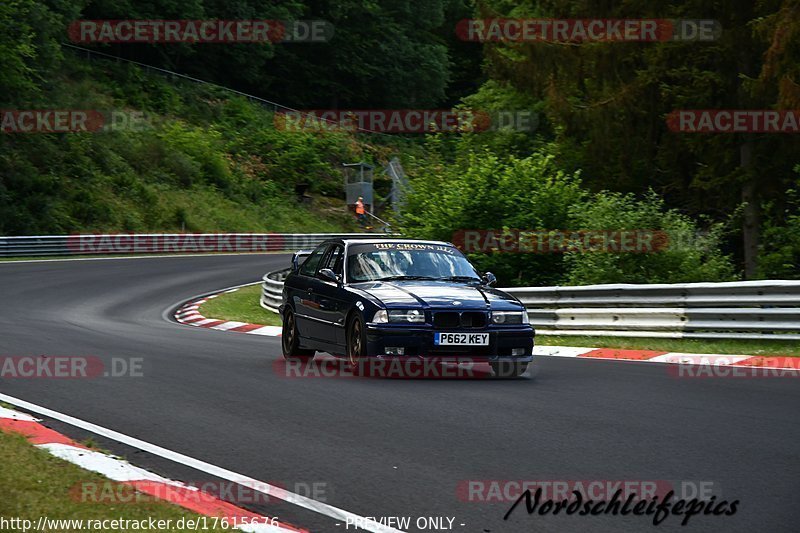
[418, 342]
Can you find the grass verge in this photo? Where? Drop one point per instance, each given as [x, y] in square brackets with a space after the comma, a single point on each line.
[241, 306]
[722, 346]
[35, 484]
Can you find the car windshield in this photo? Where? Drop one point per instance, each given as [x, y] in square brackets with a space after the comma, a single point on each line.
[399, 261]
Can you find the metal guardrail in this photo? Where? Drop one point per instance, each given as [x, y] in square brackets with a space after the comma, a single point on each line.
[272, 289]
[735, 310]
[162, 243]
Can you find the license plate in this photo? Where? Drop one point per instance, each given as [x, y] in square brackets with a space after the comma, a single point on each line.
[461, 339]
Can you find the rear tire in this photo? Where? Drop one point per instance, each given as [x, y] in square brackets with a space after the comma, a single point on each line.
[290, 340]
[505, 369]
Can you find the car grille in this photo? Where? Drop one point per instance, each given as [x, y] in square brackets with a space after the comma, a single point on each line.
[463, 319]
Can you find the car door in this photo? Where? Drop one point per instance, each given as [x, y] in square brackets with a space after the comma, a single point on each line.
[330, 303]
[303, 297]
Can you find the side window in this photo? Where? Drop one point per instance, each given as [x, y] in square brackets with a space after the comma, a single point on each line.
[309, 267]
[334, 259]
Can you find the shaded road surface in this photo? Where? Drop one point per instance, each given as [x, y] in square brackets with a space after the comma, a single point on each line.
[381, 447]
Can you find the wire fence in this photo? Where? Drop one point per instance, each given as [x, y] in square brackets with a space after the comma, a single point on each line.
[275, 107]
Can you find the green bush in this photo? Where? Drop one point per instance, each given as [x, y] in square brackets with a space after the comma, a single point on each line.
[457, 188]
[689, 255]
[779, 256]
[483, 191]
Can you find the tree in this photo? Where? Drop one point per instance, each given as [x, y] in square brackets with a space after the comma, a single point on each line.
[382, 55]
[30, 46]
[608, 102]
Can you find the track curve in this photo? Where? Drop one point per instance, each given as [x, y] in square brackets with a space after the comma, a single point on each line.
[388, 447]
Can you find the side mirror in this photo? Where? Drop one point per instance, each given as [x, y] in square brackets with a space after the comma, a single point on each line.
[489, 279]
[328, 275]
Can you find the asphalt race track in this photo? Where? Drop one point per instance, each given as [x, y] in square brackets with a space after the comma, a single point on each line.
[384, 447]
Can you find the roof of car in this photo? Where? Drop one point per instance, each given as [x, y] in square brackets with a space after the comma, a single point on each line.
[371, 240]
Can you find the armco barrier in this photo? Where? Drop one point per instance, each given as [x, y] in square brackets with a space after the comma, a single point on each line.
[272, 289]
[735, 310]
[156, 243]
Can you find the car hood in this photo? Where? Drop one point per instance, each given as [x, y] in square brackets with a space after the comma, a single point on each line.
[437, 294]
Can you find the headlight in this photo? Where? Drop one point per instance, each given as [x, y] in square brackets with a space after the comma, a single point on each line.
[509, 317]
[411, 316]
[402, 316]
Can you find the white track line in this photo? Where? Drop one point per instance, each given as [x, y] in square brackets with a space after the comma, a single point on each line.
[122, 471]
[208, 468]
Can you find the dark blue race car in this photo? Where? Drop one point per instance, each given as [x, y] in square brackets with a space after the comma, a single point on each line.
[360, 299]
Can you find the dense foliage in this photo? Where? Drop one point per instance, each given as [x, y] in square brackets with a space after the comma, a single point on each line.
[605, 105]
[479, 190]
[601, 156]
[201, 161]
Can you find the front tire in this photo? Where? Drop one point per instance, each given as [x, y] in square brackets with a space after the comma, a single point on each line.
[506, 369]
[290, 340]
[356, 345]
